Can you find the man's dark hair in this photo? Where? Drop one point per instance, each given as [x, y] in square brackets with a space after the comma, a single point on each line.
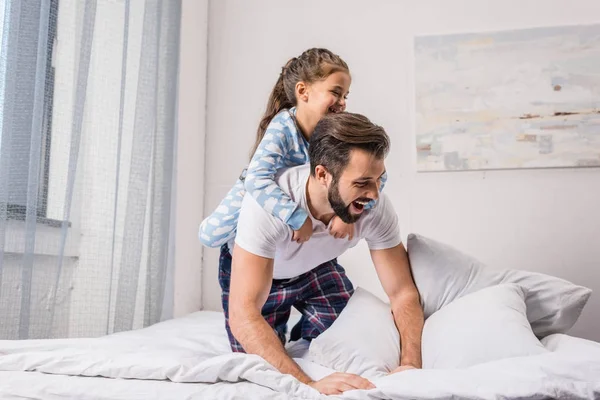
[336, 134]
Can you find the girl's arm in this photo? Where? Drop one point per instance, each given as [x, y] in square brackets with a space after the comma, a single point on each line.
[372, 203]
[220, 225]
[260, 178]
[383, 181]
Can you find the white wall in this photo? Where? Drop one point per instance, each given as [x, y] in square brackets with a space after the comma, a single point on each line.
[190, 155]
[539, 220]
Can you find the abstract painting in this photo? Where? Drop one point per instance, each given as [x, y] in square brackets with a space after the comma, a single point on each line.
[514, 99]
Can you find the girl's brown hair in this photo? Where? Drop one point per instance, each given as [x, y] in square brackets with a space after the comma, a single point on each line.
[312, 65]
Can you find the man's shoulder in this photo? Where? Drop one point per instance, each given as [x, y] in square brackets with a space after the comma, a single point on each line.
[254, 216]
[292, 180]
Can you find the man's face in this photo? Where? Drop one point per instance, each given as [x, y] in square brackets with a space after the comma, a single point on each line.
[357, 185]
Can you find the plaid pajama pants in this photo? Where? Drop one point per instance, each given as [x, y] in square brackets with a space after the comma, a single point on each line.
[320, 295]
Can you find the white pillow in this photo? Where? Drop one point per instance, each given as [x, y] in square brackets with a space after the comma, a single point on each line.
[443, 274]
[363, 340]
[559, 342]
[487, 325]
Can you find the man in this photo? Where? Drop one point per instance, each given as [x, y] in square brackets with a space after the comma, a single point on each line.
[270, 272]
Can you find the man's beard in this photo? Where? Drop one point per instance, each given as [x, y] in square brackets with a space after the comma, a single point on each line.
[339, 207]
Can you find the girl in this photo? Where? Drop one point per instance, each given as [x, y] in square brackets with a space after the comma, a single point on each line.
[309, 86]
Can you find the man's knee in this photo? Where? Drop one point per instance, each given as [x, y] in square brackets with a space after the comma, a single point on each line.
[324, 305]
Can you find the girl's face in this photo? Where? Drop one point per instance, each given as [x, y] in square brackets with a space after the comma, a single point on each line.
[327, 95]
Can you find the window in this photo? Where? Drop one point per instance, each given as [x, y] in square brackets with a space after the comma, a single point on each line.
[2, 65]
[19, 34]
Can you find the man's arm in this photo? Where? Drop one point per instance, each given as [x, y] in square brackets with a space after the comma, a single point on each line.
[251, 278]
[393, 269]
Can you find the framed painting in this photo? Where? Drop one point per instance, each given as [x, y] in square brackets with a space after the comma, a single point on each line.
[503, 100]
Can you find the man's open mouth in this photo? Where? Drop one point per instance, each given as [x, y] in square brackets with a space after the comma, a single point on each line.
[359, 205]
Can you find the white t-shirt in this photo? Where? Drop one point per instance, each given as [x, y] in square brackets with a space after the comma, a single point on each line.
[262, 234]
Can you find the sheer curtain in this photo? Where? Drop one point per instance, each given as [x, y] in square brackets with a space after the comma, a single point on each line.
[88, 94]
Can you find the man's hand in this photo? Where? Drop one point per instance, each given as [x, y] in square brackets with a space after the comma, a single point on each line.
[339, 229]
[338, 382]
[402, 368]
[304, 233]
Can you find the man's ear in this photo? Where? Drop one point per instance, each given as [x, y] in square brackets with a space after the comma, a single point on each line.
[322, 175]
[301, 91]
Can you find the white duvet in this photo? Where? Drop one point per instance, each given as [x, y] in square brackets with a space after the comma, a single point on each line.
[189, 358]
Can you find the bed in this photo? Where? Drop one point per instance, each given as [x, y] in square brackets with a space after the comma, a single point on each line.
[488, 334]
[189, 358]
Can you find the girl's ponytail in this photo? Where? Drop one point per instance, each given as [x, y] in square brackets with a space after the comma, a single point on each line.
[278, 101]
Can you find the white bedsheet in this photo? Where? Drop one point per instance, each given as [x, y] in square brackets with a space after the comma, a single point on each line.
[36, 385]
[189, 358]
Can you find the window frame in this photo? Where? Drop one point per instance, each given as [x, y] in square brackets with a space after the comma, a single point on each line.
[19, 211]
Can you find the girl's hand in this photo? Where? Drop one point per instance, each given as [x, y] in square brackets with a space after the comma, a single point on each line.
[304, 233]
[339, 229]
